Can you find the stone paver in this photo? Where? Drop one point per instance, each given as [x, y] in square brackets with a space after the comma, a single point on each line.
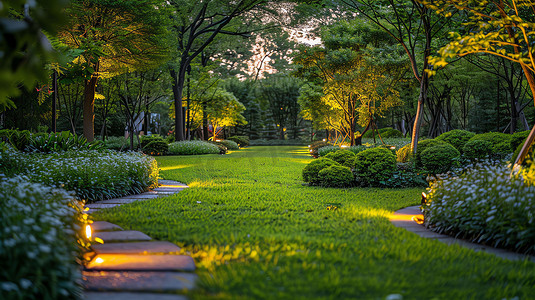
[136, 248]
[131, 296]
[121, 236]
[104, 226]
[135, 262]
[139, 281]
[101, 205]
[405, 217]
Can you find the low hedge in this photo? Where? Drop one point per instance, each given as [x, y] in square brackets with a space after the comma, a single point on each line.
[231, 145]
[193, 148]
[343, 157]
[323, 151]
[374, 166]
[336, 176]
[440, 158]
[501, 142]
[241, 140]
[457, 138]
[92, 175]
[40, 240]
[477, 150]
[486, 205]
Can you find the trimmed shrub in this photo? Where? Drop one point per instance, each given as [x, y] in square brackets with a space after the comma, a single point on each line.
[343, 157]
[231, 145]
[193, 148]
[375, 165]
[241, 140]
[323, 151]
[222, 148]
[315, 146]
[38, 241]
[501, 142]
[457, 138]
[485, 204]
[477, 149]
[93, 175]
[336, 176]
[156, 147]
[387, 132]
[357, 149]
[146, 139]
[404, 154]
[311, 171]
[422, 145]
[440, 158]
[518, 138]
[119, 143]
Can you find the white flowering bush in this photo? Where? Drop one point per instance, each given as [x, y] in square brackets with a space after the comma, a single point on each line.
[92, 175]
[192, 148]
[40, 227]
[486, 204]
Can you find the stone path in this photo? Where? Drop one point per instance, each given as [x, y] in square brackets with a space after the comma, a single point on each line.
[410, 217]
[130, 265]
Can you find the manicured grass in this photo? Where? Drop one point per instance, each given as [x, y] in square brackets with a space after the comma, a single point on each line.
[257, 233]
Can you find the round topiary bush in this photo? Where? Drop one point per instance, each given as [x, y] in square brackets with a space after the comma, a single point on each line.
[390, 133]
[404, 154]
[231, 145]
[311, 171]
[501, 142]
[477, 149]
[422, 145]
[241, 140]
[156, 147]
[440, 158]
[336, 176]
[375, 165]
[343, 157]
[457, 138]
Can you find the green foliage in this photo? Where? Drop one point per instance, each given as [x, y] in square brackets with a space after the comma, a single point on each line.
[231, 145]
[501, 142]
[497, 210]
[18, 139]
[439, 159]
[64, 141]
[39, 233]
[518, 138]
[146, 139]
[315, 146]
[241, 140]
[375, 165]
[457, 138]
[272, 142]
[477, 149]
[344, 157]
[387, 132]
[324, 151]
[222, 148]
[119, 143]
[311, 171]
[404, 154]
[336, 176]
[422, 145]
[93, 175]
[357, 149]
[193, 148]
[156, 147]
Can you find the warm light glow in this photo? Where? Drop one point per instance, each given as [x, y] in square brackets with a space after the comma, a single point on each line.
[345, 146]
[392, 148]
[218, 140]
[324, 140]
[88, 232]
[418, 219]
[173, 186]
[175, 167]
[99, 260]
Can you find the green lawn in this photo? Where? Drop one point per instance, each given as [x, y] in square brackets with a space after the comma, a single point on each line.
[257, 232]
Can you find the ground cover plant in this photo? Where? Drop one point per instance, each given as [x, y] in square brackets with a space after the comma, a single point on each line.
[92, 175]
[38, 248]
[257, 233]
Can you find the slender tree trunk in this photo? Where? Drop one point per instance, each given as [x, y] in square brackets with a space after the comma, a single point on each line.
[89, 108]
[424, 84]
[205, 121]
[178, 87]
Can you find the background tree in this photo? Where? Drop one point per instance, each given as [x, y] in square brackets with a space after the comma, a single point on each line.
[116, 37]
[500, 28]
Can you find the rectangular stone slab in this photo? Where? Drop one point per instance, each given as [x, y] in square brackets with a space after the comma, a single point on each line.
[175, 190]
[104, 226]
[130, 296]
[134, 262]
[136, 248]
[139, 281]
[100, 205]
[122, 236]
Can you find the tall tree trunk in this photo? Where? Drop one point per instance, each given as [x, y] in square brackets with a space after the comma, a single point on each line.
[89, 108]
[205, 121]
[178, 87]
[422, 98]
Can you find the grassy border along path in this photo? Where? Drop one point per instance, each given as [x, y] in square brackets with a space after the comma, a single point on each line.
[256, 232]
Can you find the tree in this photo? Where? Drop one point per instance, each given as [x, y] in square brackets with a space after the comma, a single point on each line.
[23, 46]
[502, 28]
[116, 37]
[223, 109]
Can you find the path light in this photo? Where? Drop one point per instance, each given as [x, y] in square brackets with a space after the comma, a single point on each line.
[99, 260]
[393, 148]
[324, 140]
[88, 232]
[424, 198]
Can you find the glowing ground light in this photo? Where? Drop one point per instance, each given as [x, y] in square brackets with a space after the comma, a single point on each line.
[88, 232]
[99, 260]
